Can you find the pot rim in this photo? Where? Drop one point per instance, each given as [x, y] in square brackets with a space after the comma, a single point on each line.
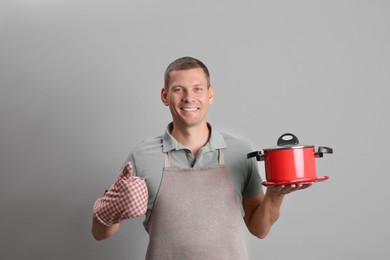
[288, 147]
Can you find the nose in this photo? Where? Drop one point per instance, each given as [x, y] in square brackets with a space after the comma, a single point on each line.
[188, 96]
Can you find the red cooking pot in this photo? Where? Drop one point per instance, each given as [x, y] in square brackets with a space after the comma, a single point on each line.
[290, 162]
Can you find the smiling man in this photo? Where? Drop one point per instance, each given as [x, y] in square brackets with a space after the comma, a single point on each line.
[194, 184]
[188, 94]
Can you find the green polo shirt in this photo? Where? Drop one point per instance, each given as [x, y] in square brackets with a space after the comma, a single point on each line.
[147, 158]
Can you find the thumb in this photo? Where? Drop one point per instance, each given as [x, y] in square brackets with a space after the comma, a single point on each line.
[127, 171]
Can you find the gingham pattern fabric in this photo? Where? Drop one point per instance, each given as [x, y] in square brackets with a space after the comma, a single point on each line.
[126, 198]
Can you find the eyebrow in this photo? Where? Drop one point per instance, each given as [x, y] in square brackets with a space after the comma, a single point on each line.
[181, 86]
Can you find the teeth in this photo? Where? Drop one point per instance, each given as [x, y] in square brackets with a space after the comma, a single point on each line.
[190, 109]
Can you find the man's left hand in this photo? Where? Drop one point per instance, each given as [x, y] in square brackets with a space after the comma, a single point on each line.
[286, 189]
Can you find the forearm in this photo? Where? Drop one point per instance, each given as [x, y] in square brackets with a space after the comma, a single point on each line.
[101, 231]
[265, 215]
[262, 211]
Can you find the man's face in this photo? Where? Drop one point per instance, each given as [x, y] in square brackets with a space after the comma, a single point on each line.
[188, 97]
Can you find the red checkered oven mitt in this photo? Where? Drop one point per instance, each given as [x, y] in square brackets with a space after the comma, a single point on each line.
[126, 198]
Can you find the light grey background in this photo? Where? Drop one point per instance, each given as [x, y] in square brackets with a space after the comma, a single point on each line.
[80, 84]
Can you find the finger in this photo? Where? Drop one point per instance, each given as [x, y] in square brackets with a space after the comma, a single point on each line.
[127, 170]
[276, 189]
[129, 166]
[291, 188]
[306, 185]
[299, 186]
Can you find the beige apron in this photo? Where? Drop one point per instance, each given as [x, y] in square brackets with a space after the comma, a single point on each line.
[196, 216]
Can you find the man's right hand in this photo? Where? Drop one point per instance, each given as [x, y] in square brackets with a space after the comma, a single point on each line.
[126, 198]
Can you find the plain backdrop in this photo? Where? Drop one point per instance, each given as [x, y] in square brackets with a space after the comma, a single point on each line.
[80, 85]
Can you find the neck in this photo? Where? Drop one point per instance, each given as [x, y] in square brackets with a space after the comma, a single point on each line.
[194, 137]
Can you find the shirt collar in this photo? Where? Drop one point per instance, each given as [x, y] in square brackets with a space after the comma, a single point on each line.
[215, 142]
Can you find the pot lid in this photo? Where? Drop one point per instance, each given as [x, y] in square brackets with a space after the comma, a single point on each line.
[288, 141]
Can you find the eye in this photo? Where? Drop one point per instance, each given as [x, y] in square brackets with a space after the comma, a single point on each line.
[198, 89]
[176, 90]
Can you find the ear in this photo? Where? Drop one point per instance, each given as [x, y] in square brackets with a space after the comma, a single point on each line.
[211, 94]
[164, 97]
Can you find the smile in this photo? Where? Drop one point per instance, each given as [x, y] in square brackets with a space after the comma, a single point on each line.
[189, 109]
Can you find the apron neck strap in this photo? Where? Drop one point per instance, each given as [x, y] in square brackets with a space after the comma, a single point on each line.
[167, 161]
[221, 158]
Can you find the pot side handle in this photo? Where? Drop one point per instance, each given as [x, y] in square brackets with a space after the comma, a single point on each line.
[258, 154]
[322, 150]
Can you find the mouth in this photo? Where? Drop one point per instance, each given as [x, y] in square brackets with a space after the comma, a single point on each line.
[189, 109]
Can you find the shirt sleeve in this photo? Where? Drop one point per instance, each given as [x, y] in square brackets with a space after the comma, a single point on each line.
[253, 182]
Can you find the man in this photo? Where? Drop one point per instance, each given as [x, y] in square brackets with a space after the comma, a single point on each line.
[200, 184]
